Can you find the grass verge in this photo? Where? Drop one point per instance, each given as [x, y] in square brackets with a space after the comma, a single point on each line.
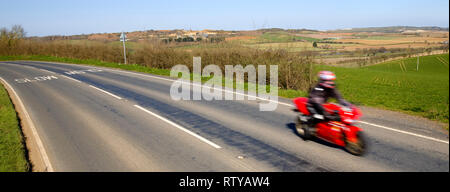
[13, 157]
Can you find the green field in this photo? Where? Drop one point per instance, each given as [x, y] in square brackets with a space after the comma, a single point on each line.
[289, 46]
[278, 37]
[397, 85]
[12, 150]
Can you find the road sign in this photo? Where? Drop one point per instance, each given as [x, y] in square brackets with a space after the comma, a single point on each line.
[123, 38]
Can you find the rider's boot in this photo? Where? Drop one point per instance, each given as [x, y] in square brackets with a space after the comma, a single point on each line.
[312, 124]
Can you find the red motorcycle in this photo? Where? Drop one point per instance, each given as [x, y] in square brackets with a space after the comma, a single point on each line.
[342, 133]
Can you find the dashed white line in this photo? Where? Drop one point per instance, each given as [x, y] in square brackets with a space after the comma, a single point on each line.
[200, 85]
[47, 71]
[179, 127]
[289, 105]
[71, 78]
[117, 97]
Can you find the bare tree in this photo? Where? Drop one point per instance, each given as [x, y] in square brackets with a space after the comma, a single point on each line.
[10, 38]
[17, 32]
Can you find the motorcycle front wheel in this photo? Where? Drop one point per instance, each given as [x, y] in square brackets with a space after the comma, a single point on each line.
[358, 148]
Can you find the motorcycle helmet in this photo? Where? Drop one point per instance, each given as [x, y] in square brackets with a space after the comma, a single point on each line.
[326, 79]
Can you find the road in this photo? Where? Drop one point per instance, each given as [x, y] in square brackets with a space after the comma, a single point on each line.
[99, 119]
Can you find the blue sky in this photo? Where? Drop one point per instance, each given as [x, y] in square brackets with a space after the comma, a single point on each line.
[68, 17]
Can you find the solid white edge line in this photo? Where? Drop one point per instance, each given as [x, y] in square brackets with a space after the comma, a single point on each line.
[404, 132]
[33, 129]
[289, 105]
[117, 97]
[71, 78]
[179, 127]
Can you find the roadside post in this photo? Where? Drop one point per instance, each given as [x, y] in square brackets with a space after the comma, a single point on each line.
[123, 38]
[417, 63]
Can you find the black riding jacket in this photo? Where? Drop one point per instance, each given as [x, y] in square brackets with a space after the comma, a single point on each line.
[319, 95]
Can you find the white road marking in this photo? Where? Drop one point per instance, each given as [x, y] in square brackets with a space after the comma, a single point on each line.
[200, 85]
[36, 79]
[117, 97]
[71, 78]
[252, 96]
[179, 127]
[287, 104]
[47, 71]
[404, 132]
[39, 143]
[93, 70]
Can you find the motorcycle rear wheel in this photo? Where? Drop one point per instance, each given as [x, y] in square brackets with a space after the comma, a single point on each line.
[303, 130]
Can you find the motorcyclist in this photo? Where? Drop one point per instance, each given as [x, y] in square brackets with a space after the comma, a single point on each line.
[319, 95]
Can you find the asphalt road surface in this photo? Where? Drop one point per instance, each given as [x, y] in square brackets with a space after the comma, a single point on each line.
[99, 119]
